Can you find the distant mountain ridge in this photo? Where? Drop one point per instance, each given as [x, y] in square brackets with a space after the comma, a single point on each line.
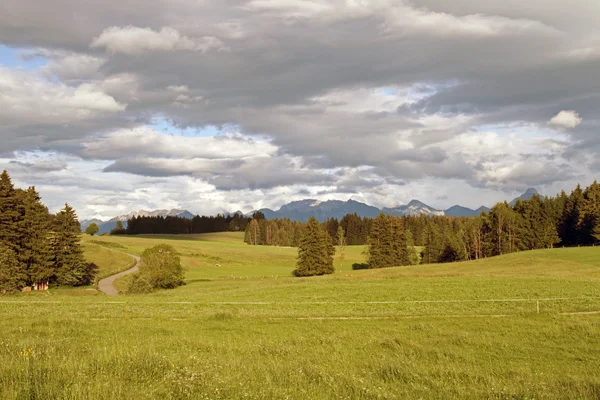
[302, 210]
[529, 193]
[414, 207]
[107, 226]
[460, 211]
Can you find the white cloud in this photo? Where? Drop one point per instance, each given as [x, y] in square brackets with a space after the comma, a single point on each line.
[133, 40]
[178, 89]
[25, 97]
[73, 66]
[566, 119]
[402, 17]
[147, 142]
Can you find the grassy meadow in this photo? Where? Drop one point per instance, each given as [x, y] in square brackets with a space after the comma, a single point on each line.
[521, 326]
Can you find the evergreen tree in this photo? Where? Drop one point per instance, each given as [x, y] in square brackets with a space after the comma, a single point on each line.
[12, 275]
[387, 243]
[35, 253]
[314, 253]
[11, 214]
[69, 264]
[119, 230]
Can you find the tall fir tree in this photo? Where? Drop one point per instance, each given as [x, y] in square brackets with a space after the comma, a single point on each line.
[387, 243]
[12, 275]
[11, 214]
[70, 266]
[35, 253]
[314, 253]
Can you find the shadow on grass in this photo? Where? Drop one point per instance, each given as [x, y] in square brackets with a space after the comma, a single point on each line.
[198, 280]
[356, 266]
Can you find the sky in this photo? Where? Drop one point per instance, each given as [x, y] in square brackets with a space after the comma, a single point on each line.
[227, 105]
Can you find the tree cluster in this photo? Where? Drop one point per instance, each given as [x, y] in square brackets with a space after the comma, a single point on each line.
[37, 246]
[390, 243]
[564, 220]
[287, 233]
[178, 225]
[315, 251]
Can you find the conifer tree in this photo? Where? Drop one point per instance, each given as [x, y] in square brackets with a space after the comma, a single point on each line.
[385, 243]
[12, 275]
[35, 253]
[70, 267]
[314, 253]
[11, 214]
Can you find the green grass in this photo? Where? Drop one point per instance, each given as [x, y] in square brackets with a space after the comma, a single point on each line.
[109, 262]
[247, 329]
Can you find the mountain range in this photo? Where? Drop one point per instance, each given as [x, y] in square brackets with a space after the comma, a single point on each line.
[302, 210]
[107, 226]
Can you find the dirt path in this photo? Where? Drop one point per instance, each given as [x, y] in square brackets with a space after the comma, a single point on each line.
[106, 285]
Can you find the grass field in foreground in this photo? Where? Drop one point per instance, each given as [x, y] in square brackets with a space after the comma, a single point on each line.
[247, 329]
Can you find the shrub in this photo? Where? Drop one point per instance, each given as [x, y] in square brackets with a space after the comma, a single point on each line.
[161, 267]
[139, 285]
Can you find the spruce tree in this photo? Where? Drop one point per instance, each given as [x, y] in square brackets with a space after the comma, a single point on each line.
[315, 256]
[70, 267]
[11, 214]
[35, 254]
[12, 276]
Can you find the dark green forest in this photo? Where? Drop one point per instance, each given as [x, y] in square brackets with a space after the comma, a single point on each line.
[177, 225]
[541, 222]
[37, 246]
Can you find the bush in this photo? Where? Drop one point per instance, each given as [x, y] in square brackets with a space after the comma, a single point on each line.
[161, 267]
[356, 266]
[139, 285]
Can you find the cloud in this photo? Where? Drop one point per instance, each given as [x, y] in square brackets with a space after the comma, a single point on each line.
[133, 40]
[385, 99]
[566, 119]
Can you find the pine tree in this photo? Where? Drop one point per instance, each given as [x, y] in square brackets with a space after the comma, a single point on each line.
[314, 254]
[70, 267]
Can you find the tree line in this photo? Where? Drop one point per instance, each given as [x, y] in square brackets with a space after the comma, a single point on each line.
[540, 222]
[179, 225]
[288, 233]
[37, 246]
